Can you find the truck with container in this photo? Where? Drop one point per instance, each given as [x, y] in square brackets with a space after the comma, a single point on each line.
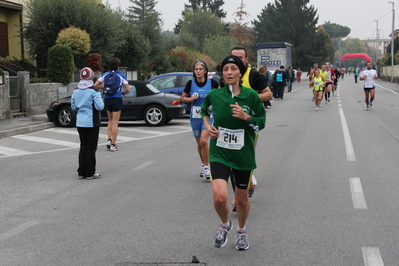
[274, 55]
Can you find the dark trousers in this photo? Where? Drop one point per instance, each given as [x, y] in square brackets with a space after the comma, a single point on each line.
[87, 154]
[278, 91]
[355, 78]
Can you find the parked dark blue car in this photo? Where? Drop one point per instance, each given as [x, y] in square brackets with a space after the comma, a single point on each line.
[172, 83]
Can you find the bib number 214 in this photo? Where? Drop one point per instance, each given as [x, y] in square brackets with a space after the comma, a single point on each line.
[232, 139]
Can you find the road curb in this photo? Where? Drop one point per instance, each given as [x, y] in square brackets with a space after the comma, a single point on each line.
[26, 129]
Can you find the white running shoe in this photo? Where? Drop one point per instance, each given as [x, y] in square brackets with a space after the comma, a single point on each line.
[367, 107]
[371, 105]
[317, 109]
[114, 147]
[108, 145]
[207, 173]
[254, 182]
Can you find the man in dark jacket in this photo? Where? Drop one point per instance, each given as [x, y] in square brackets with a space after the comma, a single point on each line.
[280, 79]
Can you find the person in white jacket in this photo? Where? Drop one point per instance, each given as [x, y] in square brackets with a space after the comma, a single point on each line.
[87, 103]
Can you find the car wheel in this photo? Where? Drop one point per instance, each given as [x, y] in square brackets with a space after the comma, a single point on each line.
[154, 115]
[66, 117]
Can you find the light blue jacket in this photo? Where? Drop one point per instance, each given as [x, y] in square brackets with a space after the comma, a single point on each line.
[87, 103]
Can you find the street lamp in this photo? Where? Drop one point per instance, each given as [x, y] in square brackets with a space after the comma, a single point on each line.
[393, 36]
[377, 49]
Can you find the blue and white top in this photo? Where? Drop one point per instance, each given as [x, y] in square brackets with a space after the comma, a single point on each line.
[201, 93]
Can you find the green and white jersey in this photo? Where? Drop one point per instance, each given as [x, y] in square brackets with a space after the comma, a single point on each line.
[235, 145]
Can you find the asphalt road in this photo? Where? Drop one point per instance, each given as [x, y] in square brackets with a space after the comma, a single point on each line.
[326, 195]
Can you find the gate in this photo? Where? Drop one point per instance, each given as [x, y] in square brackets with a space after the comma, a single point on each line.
[15, 95]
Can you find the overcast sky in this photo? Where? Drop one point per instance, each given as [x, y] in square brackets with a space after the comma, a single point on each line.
[358, 15]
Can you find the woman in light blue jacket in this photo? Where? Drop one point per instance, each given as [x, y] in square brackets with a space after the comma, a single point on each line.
[87, 102]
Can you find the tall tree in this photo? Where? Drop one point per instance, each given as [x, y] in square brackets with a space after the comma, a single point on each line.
[201, 25]
[146, 19]
[47, 17]
[336, 32]
[213, 6]
[291, 21]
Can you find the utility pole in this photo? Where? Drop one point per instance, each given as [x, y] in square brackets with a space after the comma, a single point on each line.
[393, 37]
[377, 48]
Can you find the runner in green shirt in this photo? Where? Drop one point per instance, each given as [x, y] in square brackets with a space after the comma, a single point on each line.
[238, 115]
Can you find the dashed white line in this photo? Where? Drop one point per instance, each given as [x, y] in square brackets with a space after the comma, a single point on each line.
[372, 256]
[143, 165]
[17, 230]
[350, 153]
[359, 202]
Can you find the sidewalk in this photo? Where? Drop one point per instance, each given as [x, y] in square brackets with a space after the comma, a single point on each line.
[22, 125]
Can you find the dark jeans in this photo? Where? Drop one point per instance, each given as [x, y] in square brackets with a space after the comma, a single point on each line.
[355, 78]
[87, 154]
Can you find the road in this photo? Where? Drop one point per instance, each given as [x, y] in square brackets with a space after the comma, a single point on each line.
[326, 195]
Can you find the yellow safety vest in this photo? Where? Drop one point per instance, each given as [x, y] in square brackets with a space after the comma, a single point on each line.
[245, 79]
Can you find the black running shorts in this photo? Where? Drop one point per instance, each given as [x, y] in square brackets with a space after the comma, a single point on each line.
[113, 104]
[242, 179]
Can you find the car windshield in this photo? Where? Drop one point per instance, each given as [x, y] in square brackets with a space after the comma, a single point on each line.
[152, 88]
[165, 82]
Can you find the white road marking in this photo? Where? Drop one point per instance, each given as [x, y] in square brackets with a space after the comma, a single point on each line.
[143, 165]
[372, 256]
[9, 152]
[48, 141]
[12, 152]
[394, 92]
[358, 199]
[350, 153]
[137, 130]
[17, 230]
[101, 136]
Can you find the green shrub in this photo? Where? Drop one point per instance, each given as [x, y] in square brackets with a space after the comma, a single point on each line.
[77, 39]
[39, 80]
[60, 64]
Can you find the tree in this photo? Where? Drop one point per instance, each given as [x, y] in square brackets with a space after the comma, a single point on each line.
[47, 17]
[354, 45]
[291, 21]
[146, 21]
[240, 31]
[219, 47]
[201, 25]
[336, 32]
[60, 64]
[213, 6]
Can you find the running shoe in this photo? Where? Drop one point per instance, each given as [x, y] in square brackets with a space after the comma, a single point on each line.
[367, 107]
[242, 240]
[114, 147]
[371, 105]
[234, 207]
[95, 176]
[202, 171]
[251, 190]
[328, 99]
[220, 239]
[317, 109]
[109, 142]
[81, 177]
[207, 173]
[254, 181]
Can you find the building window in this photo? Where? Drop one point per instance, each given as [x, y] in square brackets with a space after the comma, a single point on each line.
[3, 39]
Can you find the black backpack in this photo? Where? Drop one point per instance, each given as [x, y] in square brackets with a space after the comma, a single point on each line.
[112, 82]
